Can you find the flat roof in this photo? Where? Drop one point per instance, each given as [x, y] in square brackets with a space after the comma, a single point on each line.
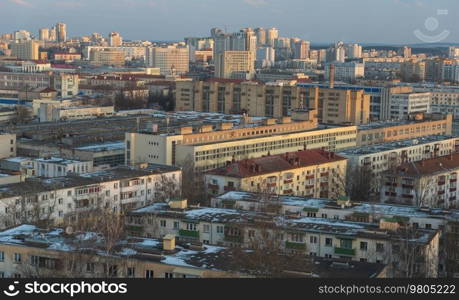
[388, 146]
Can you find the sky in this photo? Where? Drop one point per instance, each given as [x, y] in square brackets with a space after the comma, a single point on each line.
[320, 21]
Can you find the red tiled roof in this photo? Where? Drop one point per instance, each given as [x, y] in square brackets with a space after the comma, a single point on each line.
[430, 166]
[276, 163]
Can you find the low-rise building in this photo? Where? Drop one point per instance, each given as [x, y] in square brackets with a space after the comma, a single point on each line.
[386, 242]
[209, 149]
[60, 167]
[310, 173]
[55, 253]
[427, 183]
[381, 132]
[54, 112]
[67, 198]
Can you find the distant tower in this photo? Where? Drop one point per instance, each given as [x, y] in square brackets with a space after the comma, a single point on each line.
[61, 32]
[43, 34]
[115, 39]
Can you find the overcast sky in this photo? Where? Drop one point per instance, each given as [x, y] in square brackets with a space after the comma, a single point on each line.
[366, 21]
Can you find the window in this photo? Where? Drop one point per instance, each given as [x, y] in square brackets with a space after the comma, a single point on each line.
[162, 223]
[428, 226]
[379, 247]
[346, 244]
[168, 275]
[206, 228]
[90, 267]
[191, 226]
[17, 257]
[2, 256]
[130, 272]
[219, 229]
[328, 242]
[34, 260]
[176, 225]
[313, 239]
[363, 246]
[149, 274]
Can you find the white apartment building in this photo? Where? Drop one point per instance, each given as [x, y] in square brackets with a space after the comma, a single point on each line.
[402, 105]
[312, 236]
[60, 167]
[171, 60]
[381, 157]
[7, 145]
[446, 103]
[130, 52]
[118, 189]
[348, 72]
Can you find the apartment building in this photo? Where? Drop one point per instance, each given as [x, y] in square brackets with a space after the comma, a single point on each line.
[235, 65]
[107, 57]
[402, 105]
[347, 72]
[381, 132]
[60, 167]
[7, 145]
[25, 50]
[445, 102]
[171, 60]
[273, 100]
[343, 106]
[309, 173]
[210, 149]
[50, 253]
[65, 198]
[129, 52]
[429, 183]
[381, 157]
[318, 237]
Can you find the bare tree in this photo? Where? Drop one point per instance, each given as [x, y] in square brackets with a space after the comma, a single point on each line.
[265, 254]
[193, 183]
[23, 115]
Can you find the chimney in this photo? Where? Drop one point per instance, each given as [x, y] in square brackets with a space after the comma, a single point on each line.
[331, 76]
[169, 242]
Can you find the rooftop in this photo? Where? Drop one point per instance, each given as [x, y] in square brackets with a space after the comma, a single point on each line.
[209, 257]
[389, 146]
[101, 147]
[276, 163]
[37, 185]
[345, 229]
[448, 163]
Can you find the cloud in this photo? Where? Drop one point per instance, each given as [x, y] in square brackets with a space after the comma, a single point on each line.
[22, 3]
[256, 3]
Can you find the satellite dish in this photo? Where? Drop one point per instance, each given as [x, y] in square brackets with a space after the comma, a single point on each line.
[69, 230]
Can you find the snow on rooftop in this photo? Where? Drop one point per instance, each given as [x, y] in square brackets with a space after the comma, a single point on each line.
[210, 212]
[329, 222]
[152, 208]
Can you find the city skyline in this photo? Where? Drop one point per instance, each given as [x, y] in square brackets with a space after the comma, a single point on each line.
[304, 16]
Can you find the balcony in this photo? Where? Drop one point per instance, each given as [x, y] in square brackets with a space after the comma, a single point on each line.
[407, 186]
[452, 190]
[441, 192]
[324, 174]
[288, 192]
[441, 183]
[189, 233]
[212, 186]
[288, 181]
[407, 196]
[454, 180]
[271, 184]
[310, 177]
[296, 246]
[344, 251]
[234, 238]
[229, 188]
[136, 228]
